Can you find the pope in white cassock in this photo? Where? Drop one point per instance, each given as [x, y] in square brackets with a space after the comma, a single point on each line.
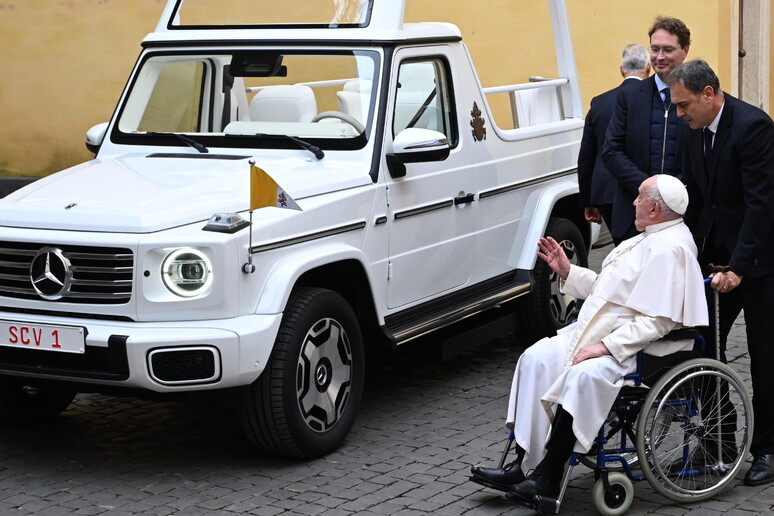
[563, 386]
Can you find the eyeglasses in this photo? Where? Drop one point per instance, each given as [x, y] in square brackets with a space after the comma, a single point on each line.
[666, 51]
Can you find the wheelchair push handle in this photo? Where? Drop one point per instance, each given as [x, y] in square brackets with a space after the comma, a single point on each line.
[716, 299]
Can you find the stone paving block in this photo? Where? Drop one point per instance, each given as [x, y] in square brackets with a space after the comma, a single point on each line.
[267, 511]
[35, 506]
[676, 510]
[92, 510]
[336, 512]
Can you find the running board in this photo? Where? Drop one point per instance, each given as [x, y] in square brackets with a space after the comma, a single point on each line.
[420, 320]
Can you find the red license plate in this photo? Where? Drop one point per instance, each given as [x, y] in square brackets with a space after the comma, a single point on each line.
[67, 339]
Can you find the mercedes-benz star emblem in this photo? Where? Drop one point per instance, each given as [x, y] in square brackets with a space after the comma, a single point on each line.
[50, 273]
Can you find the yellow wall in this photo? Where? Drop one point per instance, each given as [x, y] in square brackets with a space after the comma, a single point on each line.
[64, 63]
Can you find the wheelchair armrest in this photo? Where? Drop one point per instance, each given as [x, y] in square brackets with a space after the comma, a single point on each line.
[681, 334]
[674, 335]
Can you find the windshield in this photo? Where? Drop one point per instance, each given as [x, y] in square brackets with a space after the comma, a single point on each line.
[307, 13]
[224, 98]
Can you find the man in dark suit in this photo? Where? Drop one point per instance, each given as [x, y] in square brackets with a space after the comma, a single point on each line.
[642, 137]
[597, 186]
[728, 167]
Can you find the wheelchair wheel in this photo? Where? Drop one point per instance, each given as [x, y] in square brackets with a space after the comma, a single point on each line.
[617, 498]
[694, 430]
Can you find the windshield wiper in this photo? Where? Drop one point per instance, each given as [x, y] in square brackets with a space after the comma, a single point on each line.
[188, 141]
[314, 149]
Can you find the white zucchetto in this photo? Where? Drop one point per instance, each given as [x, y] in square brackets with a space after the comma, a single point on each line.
[673, 192]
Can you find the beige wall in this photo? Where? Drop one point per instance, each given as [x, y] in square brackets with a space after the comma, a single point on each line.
[65, 62]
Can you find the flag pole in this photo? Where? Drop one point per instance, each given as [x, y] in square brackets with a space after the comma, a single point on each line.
[249, 268]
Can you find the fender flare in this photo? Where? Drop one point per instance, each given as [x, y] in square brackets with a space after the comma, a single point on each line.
[285, 272]
[541, 204]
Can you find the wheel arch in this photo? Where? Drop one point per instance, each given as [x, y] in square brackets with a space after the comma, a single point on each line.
[335, 267]
[556, 200]
[349, 279]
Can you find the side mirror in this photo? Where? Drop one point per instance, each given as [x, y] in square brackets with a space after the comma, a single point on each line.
[95, 136]
[415, 145]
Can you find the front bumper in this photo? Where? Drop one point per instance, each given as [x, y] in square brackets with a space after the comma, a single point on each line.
[161, 357]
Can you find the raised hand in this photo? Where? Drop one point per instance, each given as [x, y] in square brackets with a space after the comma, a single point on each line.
[552, 253]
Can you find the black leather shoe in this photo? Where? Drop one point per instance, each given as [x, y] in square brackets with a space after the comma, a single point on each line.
[501, 479]
[762, 470]
[537, 483]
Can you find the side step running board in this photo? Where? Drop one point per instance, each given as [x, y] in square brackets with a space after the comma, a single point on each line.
[423, 319]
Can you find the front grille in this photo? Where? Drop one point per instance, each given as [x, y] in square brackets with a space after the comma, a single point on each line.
[100, 275]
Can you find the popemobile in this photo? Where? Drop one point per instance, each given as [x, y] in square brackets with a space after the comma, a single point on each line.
[281, 190]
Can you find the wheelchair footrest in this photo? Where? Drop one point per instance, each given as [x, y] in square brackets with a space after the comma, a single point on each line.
[546, 505]
[541, 504]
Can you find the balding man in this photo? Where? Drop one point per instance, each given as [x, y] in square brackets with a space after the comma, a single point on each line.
[563, 386]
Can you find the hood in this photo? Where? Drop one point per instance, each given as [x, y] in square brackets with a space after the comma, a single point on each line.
[142, 194]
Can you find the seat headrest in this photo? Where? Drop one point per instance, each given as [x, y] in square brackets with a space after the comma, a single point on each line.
[358, 85]
[285, 103]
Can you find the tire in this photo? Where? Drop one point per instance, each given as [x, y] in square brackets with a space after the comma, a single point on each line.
[25, 404]
[305, 401]
[677, 437]
[547, 308]
[617, 498]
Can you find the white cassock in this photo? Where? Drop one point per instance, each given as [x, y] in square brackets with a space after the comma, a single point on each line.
[649, 285]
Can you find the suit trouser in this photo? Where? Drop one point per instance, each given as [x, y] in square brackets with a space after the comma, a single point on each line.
[756, 297]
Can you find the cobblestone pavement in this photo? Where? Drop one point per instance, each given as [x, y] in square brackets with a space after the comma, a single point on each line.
[422, 425]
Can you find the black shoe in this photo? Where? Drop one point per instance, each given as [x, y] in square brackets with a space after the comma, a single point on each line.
[762, 470]
[501, 479]
[537, 483]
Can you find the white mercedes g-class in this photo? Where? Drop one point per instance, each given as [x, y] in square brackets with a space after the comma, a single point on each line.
[149, 268]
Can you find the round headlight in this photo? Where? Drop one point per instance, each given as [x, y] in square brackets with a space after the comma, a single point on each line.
[186, 272]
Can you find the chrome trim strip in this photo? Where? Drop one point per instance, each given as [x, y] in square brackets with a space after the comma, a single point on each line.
[457, 315]
[423, 209]
[525, 184]
[308, 237]
[429, 145]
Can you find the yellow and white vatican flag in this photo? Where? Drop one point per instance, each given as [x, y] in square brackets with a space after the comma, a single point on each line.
[264, 191]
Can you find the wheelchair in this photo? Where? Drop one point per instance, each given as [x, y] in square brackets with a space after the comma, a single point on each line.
[688, 434]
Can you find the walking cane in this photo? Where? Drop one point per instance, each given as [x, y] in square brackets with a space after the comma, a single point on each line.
[719, 464]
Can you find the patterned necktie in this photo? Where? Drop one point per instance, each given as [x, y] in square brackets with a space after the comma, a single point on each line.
[667, 98]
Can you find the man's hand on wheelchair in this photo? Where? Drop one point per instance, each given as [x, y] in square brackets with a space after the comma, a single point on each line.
[725, 282]
[593, 351]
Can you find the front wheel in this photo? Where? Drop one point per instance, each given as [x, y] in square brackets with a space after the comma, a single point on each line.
[305, 401]
[547, 308]
[617, 498]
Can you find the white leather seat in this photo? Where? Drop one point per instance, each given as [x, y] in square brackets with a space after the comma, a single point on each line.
[354, 99]
[284, 103]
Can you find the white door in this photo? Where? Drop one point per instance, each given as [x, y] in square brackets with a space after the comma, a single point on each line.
[431, 213]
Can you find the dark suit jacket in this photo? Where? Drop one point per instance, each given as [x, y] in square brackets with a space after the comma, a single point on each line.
[627, 149]
[733, 202]
[596, 185]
